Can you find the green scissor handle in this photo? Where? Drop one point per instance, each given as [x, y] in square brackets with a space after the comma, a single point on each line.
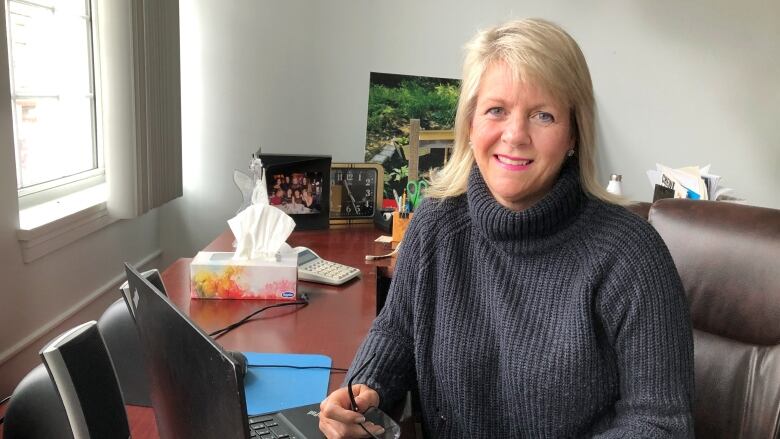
[415, 189]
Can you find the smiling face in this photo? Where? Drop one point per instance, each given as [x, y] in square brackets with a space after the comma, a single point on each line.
[520, 136]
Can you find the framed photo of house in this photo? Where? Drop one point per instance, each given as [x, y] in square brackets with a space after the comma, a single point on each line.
[393, 101]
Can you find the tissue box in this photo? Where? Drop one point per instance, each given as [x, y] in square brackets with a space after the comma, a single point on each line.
[215, 275]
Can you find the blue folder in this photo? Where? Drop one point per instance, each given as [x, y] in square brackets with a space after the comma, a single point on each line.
[270, 389]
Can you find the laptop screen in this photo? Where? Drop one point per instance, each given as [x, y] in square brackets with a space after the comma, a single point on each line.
[194, 385]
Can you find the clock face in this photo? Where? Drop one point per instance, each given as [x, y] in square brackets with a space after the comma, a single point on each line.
[353, 192]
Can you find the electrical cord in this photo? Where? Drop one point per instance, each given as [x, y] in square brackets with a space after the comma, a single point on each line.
[220, 332]
[287, 366]
[3, 401]
[389, 255]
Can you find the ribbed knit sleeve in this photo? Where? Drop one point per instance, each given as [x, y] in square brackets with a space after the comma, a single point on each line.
[643, 308]
[391, 371]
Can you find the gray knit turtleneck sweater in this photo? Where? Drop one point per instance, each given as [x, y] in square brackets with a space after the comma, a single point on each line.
[567, 319]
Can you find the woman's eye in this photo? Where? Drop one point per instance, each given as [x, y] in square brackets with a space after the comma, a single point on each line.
[495, 111]
[544, 118]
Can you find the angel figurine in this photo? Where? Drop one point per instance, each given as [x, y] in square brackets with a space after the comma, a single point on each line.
[252, 185]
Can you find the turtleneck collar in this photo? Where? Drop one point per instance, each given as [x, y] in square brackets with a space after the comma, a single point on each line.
[537, 227]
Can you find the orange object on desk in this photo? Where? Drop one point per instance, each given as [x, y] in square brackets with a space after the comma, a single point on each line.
[400, 223]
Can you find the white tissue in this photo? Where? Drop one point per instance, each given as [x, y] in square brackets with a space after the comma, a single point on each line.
[260, 231]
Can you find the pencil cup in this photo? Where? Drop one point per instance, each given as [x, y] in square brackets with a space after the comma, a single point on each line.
[400, 223]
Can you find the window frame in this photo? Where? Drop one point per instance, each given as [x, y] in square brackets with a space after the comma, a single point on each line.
[50, 190]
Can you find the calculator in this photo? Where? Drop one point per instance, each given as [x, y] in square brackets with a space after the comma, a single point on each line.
[313, 268]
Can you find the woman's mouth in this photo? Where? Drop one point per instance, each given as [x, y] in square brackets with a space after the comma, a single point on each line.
[515, 163]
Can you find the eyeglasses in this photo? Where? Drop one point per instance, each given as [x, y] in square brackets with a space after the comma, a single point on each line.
[373, 414]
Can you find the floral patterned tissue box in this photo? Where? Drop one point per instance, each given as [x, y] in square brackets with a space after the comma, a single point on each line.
[215, 275]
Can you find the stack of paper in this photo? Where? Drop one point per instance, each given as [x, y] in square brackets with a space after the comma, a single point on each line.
[689, 182]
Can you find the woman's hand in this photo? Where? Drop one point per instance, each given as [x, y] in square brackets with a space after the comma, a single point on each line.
[337, 420]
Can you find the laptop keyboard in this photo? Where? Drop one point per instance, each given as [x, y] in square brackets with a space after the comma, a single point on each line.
[266, 427]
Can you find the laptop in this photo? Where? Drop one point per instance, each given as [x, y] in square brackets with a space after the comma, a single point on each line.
[197, 389]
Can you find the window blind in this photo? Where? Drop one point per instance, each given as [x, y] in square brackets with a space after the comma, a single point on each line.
[141, 87]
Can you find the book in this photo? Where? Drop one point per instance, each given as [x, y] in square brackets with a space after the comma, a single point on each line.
[693, 182]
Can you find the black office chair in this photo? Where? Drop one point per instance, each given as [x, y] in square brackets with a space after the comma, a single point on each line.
[120, 334]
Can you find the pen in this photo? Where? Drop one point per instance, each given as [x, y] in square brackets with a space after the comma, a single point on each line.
[403, 202]
[397, 199]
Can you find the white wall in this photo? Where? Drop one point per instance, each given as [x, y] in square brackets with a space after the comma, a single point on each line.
[676, 82]
[36, 299]
[679, 83]
[37, 295]
[247, 81]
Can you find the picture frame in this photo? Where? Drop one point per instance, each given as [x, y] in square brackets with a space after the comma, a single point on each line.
[393, 100]
[299, 185]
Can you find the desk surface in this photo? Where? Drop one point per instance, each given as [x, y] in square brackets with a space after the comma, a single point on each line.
[334, 323]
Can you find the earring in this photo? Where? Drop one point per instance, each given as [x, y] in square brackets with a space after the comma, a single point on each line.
[570, 152]
[471, 145]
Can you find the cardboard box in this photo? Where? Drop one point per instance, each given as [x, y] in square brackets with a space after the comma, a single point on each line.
[215, 275]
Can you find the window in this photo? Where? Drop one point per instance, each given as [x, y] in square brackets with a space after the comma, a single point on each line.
[53, 95]
[88, 77]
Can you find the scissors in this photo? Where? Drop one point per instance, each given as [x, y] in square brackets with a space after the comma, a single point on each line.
[415, 190]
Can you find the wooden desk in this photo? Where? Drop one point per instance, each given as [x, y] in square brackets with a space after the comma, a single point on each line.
[334, 323]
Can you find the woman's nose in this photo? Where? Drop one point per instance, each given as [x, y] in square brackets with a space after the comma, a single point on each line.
[516, 131]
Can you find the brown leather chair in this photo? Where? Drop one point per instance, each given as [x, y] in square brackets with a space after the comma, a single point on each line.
[728, 257]
[641, 208]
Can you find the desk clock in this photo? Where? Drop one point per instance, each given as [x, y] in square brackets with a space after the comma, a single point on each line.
[356, 191]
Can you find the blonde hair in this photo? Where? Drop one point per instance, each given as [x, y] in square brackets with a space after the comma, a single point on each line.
[538, 51]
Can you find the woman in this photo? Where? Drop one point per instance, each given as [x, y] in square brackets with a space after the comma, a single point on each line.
[543, 308]
[277, 198]
[307, 198]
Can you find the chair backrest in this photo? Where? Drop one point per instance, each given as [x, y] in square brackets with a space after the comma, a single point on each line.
[73, 394]
[641, 208]
[117, 326]
[124, 346]
[728, 257]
